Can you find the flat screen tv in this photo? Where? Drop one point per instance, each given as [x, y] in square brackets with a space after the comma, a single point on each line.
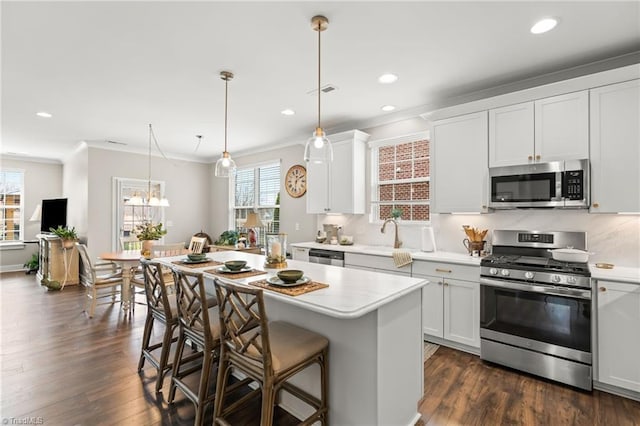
[54, 214]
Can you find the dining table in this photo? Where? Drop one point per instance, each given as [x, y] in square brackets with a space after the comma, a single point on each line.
[128, 260]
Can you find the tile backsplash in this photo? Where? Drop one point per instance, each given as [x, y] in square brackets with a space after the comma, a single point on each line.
[612, 238]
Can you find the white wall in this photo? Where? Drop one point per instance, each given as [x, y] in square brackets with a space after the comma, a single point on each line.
[75, 181]
[292, 210]
[42, 180]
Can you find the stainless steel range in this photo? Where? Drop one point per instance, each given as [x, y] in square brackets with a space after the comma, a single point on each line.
[535, 312]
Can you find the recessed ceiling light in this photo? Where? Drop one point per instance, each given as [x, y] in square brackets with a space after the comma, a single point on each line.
[387, 78]
[287, 112]
[544, 25]
[43, 114]
[388, 108]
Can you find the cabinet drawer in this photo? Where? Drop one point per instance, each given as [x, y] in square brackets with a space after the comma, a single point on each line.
[374, 262]
[440, 269]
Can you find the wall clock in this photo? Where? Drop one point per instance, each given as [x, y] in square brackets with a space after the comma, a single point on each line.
[295, 181]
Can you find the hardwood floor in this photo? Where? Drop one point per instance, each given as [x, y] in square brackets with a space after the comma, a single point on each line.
[66, 369]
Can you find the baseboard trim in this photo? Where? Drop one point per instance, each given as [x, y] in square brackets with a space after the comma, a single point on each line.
[625, 393]
[13, 268]
[454, 345]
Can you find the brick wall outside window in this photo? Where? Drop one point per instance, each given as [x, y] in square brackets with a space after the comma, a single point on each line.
[402, 181]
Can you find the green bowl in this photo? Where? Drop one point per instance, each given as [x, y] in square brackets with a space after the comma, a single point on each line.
[235, 265]
[196, 256]
[290, 275]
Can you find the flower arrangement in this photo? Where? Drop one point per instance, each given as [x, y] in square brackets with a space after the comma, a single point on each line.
[149, 231]
[65, 233]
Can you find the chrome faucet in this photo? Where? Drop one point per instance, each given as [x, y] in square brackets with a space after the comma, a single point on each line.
[396, 242]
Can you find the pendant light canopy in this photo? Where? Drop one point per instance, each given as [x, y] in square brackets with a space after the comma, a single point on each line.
[225, 166]
[318, 148]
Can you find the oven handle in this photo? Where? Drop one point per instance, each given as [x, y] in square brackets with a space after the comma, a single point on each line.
[538, 288]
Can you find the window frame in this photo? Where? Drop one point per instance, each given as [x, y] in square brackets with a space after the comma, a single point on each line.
[21, 230]
[374, 203]
[256, 196]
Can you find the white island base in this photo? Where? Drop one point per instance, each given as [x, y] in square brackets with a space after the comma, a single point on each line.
[375, 363]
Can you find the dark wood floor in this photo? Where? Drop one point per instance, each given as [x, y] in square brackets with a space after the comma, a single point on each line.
[67, 369]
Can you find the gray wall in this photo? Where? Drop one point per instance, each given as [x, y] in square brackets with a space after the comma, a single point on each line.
[42, 180]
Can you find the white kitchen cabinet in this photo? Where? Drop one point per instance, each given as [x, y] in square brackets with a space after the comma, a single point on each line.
[549, 129]
[615, 148]
[300, 253]
[339, 186]
[460, 163]
[618, 320]
[375, 263]
[450, 302]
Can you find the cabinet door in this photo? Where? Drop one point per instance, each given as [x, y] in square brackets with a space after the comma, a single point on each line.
[317, 187]
[618, 336]
[615, 148]
[341, 178]
[300, 253]
[562, 127]
[460, 163]
[511, 135]
[462, 312]
[432, 309]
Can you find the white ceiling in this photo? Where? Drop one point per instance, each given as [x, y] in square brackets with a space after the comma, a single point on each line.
[107, 69]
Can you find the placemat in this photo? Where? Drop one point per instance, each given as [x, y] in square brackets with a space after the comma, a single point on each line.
[236, 276]
[290, 291]
[198, 265]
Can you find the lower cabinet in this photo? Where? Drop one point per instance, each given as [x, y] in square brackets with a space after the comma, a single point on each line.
[450, 306]
[300, 253]
[371, 262]
[618, 334]
[57, 263]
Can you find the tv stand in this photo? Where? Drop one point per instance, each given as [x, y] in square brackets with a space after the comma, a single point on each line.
[55, 262]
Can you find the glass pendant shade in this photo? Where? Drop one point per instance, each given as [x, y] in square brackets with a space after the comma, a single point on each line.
[225, 166]
[318, 148]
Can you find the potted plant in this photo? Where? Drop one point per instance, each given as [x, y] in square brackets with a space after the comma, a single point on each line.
[147, 233]
[396, 213]
[69, 236]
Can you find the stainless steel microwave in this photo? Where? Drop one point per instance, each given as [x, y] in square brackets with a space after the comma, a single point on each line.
[559, 184]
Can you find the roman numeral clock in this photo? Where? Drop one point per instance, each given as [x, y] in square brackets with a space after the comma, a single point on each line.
[296, 181]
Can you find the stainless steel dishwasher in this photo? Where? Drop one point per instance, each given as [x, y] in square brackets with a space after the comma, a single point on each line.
[326, 257]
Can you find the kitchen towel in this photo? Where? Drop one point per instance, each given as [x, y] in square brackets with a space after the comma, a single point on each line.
[401, 258]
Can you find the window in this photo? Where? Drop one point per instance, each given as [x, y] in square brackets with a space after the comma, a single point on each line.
[11, 205]
[400, 178]
[257, 189]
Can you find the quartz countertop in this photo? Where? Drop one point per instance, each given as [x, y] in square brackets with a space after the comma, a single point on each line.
[351, 293]
[436, 256]
[618, 273]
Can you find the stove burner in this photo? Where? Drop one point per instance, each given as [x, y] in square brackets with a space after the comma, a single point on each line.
[533, 263]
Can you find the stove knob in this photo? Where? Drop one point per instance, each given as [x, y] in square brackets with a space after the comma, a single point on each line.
[528, 275]
[493, 271]
[556, 278]
[504, 272]
[571, 280]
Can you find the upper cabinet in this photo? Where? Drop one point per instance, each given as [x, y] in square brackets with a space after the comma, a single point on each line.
[615, 148]
[549, 129]
[460, 163]
[339, 187]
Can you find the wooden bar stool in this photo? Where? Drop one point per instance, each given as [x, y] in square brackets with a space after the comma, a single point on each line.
[162, 309]
[267, 353]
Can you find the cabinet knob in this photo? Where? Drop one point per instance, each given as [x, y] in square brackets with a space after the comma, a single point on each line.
[596, 205]
[537, 157]
[530, 157]
[484, 206]
[448, 271]
[446, 284]
[602, 289]
[439, 282]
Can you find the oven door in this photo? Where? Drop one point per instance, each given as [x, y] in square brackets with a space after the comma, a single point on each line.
[535, 185]
[544, 318]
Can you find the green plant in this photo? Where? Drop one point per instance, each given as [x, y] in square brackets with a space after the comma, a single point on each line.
[149, 231]
[32, 263]
[65, 233]
[396, 213]
[228, 238]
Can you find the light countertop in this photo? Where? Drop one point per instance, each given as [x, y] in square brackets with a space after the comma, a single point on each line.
[351, 293]
[618, 273]
[436, 256]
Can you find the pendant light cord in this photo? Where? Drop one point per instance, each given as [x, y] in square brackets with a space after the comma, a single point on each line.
[319, 46]
[149, 176]
[226, 91]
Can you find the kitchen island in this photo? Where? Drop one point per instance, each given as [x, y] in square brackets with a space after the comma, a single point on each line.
[373, 323]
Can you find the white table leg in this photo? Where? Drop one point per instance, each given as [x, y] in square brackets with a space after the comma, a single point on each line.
[126, 287]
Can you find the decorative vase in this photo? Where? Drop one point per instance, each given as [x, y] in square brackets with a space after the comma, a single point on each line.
[276, 251]
[146, 248]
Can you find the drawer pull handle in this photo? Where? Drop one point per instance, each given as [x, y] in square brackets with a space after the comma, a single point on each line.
[448, 271]
[603, 289]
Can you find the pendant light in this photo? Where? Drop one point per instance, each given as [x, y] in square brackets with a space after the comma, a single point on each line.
[225, 166]
[151, 198]
[318, 148]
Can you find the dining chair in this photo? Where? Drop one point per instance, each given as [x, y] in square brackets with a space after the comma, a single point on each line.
[196, 245]
[161, 310]
[98, 277]
[267, 353]
[198, 323]
[138, 278]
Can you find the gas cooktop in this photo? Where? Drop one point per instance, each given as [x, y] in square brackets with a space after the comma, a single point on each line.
[534, 263]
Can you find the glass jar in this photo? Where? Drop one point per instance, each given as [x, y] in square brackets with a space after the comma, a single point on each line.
[276, 248]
